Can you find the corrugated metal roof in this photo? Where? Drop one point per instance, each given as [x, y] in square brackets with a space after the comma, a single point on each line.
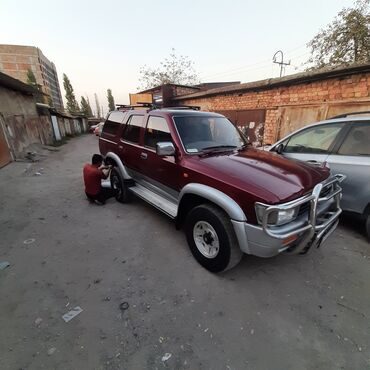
[16, 85]
[155, 88]
[297, 78]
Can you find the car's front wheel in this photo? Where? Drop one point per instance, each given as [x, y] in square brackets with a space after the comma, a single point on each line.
[211, 238]
[120, 188]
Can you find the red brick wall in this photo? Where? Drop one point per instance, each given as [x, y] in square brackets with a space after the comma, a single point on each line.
[344, 90]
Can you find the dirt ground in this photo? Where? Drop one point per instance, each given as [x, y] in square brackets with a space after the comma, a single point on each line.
[288, 312]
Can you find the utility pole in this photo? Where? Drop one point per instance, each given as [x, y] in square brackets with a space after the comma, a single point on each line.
[281, 63]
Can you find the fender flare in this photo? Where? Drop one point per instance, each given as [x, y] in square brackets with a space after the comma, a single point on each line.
[120, 165]
[217, 197]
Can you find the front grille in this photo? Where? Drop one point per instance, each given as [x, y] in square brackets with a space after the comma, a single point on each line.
[326, 191]
[304, 208]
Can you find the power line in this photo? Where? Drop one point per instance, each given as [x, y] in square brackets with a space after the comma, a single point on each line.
[264, 61]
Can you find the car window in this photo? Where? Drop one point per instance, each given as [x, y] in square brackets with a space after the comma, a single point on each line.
[116, 116]
[110, 127]
[316, 139]
[357, 141]
[112, 123]
[156, 131]
[132, 130]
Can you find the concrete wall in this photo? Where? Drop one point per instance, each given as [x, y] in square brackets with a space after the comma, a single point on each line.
[293, 106]
[23, 125]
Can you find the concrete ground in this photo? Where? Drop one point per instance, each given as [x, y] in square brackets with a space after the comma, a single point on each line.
[288, 312]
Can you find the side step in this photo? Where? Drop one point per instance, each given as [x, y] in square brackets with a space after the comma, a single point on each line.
[163, 204]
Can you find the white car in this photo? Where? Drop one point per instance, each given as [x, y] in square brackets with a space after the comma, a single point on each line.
[343, 142]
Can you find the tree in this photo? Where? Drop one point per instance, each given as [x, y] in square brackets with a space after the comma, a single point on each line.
[346, 40]
[72, 105]
[85, 107]
[111, 104]
[31, 80]
[97, 106]
[176, 69]
[88, 102]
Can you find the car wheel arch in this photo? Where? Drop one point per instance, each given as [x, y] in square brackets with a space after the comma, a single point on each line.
[115, 160]
[195, 194]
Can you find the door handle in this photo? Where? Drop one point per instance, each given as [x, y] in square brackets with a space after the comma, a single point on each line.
[143, 155]
[120, 147]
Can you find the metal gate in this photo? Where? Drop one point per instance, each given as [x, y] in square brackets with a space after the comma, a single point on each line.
[54, 123]
[250, 122]
[5, 156]
[292, 118]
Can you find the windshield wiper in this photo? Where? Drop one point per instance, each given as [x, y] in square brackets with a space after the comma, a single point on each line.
[215, 147]
[243, 146]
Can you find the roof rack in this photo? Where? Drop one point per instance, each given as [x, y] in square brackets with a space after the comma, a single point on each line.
[138, 105]
[344, 115]
[193, 107]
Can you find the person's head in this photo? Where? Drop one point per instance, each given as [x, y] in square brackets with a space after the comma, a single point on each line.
[97, 159]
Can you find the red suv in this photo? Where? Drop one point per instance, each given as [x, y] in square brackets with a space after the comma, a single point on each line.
[198, 169]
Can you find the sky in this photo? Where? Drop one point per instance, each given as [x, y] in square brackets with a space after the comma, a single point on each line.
[102, 44]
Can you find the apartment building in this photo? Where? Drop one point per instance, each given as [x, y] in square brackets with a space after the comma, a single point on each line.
[16, 60]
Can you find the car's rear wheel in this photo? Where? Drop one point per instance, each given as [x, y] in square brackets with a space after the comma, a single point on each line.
[211, 238]
[367, 226]
[120, 188]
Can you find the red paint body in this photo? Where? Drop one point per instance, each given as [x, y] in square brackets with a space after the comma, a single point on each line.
[247, 176]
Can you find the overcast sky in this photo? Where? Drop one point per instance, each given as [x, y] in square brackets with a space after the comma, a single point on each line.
[102, 44]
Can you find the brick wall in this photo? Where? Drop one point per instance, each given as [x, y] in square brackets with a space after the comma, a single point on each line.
[16, 60]
[321, 97]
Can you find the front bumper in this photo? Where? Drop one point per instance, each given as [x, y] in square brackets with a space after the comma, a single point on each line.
[308, 230]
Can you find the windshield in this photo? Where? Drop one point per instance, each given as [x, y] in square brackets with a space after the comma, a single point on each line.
[199, 133]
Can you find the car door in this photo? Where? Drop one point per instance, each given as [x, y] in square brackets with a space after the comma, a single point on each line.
[313, 144]
[351, 157]
[129, 146]
[160, 173]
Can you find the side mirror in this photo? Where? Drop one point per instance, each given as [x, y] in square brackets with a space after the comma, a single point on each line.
[165, 148]
[280, 148]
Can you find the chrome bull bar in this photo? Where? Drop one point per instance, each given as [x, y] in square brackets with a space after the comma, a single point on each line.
[319, 226]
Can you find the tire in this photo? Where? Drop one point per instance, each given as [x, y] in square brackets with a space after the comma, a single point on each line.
[211, 238]
[122, 194]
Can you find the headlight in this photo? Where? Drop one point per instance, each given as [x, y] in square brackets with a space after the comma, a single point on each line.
[277, 217]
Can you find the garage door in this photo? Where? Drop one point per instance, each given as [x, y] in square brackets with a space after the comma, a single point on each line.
[293, 118]
[5, 156]
[250, 122]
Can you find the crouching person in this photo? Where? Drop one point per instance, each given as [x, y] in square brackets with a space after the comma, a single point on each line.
[93, 174]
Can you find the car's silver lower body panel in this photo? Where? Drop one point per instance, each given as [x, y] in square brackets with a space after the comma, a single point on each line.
[163, 204]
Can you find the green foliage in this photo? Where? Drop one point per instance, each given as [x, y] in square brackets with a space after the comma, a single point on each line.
[176, 69]
[111, 104]
[72, 105]
[50, 101]
[31, 80]
[97, 106]
[85, 107]
[346, 40]
[90, 110]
